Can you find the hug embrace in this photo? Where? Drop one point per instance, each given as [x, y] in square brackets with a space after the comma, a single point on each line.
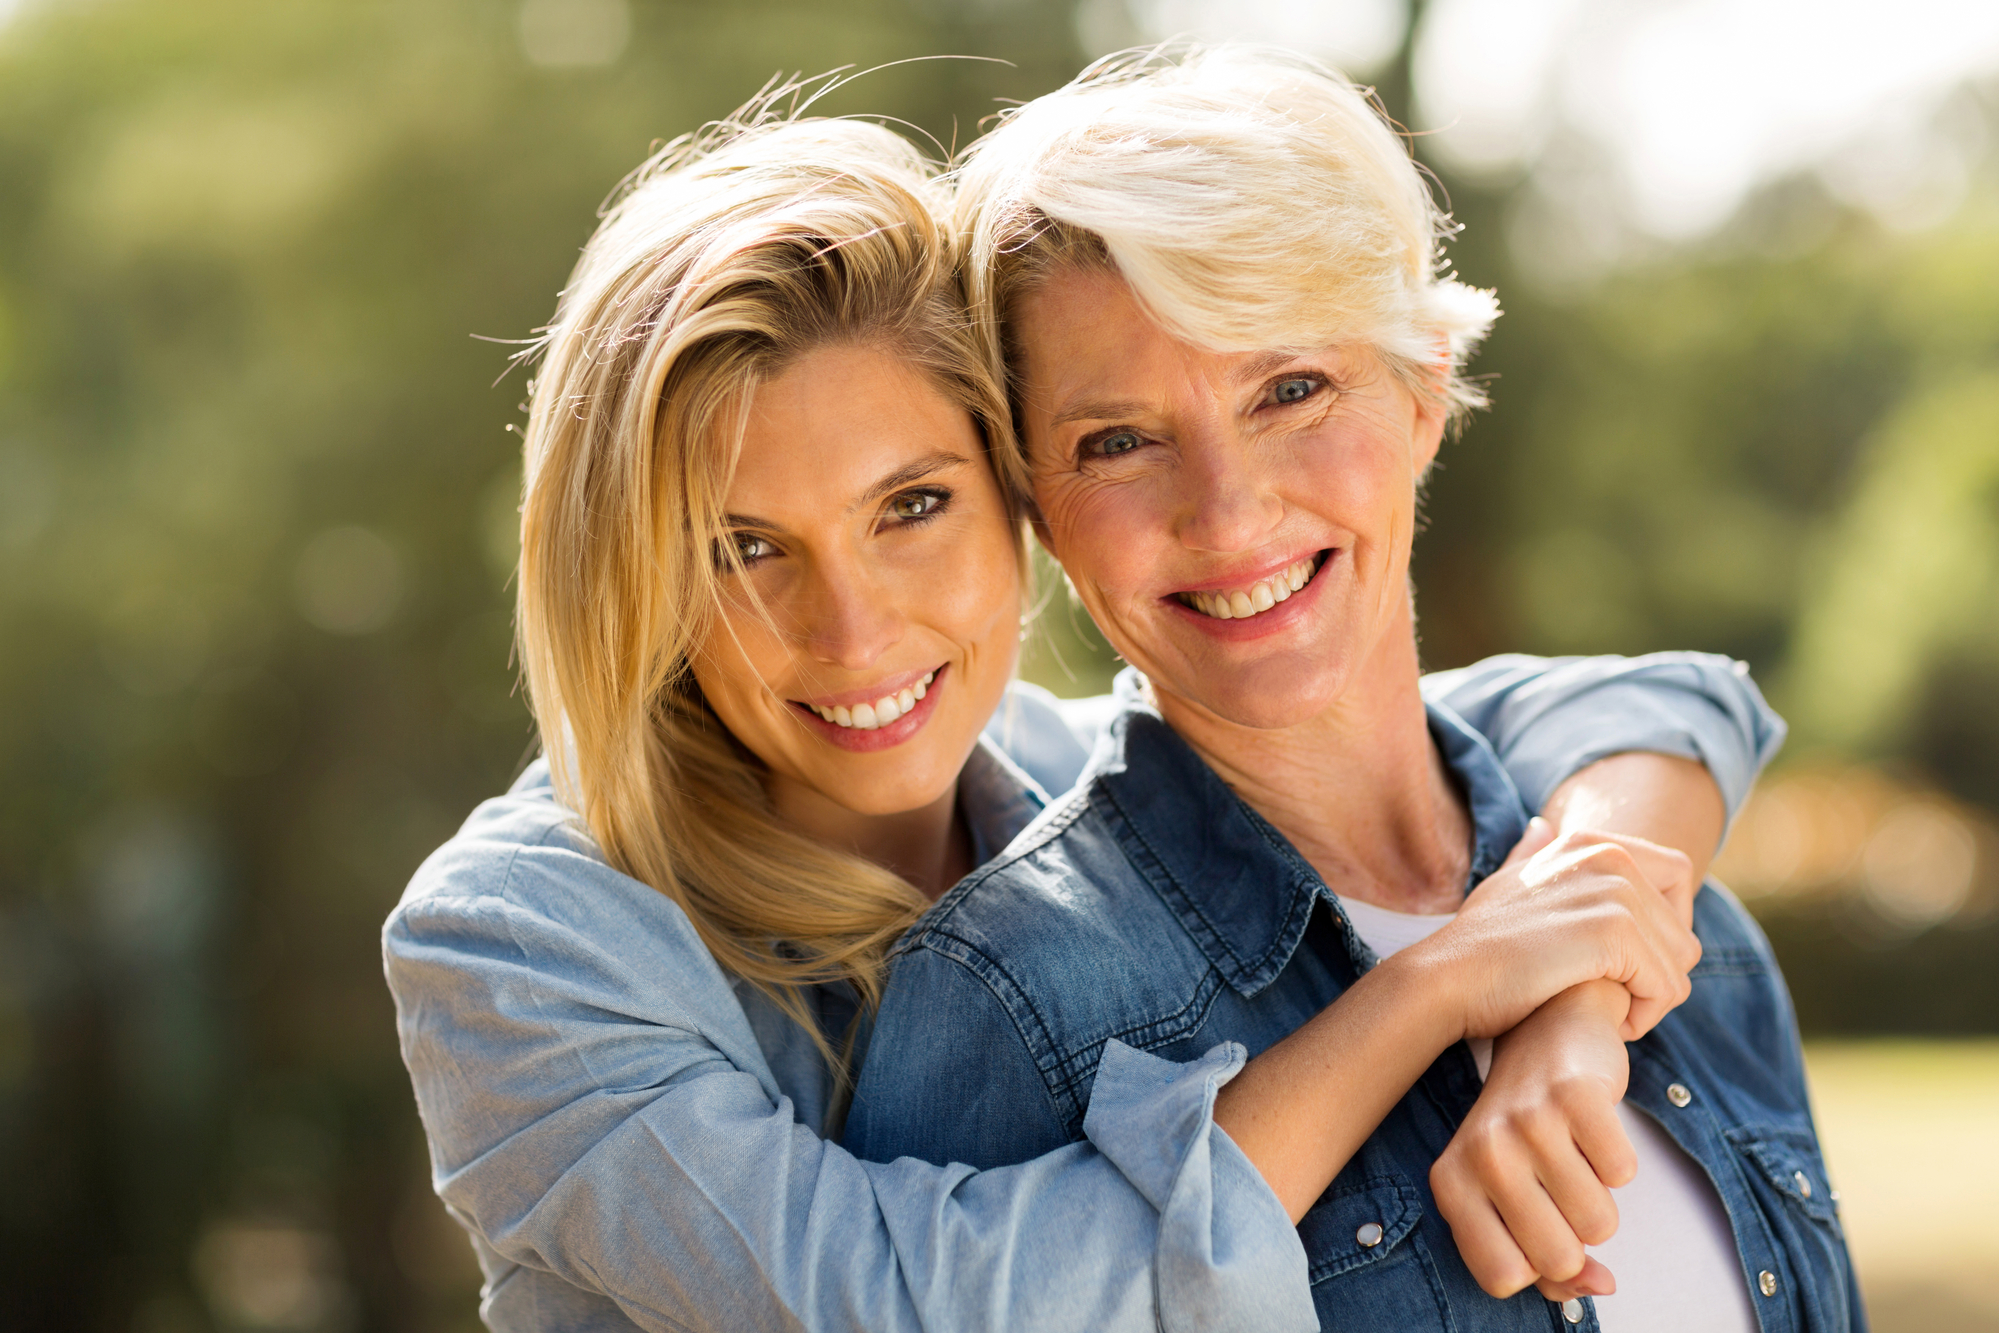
[822, 976]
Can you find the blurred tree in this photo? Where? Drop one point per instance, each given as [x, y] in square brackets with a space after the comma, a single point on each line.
[256, 508]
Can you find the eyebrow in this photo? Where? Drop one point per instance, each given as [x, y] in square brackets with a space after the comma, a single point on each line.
[1101, 409]
[1112, 409]
[916, 470]
[941, 461]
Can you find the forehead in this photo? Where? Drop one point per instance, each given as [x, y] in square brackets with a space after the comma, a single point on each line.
[834, 422]
[1085, 344]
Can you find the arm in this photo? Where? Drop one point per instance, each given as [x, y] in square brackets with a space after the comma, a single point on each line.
[601, 1119]
[1525, 1183]
[1560, 908]
[1549, 718]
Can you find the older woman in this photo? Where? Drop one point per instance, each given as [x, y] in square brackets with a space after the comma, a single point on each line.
[1216, 283]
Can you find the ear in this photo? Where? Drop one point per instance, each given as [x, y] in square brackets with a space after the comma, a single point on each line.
[1433, 412]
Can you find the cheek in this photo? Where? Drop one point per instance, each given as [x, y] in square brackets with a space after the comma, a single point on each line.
[973, 588]
[1102, 534]
[740, 653]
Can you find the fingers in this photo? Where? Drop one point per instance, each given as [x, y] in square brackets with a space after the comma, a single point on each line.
[1599, 1136]
[1522, 1201]
[1594, 1280]
[1497, 1264]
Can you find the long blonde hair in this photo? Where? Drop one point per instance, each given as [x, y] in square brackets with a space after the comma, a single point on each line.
[727, 255]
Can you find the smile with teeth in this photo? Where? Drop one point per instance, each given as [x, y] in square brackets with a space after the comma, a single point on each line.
[866, 717]
[1242, 603]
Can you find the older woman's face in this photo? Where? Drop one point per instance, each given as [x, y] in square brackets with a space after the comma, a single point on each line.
[875, 624]
[1238, 524]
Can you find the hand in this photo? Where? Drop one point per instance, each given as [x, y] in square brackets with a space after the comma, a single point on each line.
[1525, 1183]
[1562, 911]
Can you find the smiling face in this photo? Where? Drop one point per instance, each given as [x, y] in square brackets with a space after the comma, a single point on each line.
[1238, 524]
[874, 625]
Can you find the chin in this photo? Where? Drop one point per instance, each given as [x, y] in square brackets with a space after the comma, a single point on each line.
[1270, 695]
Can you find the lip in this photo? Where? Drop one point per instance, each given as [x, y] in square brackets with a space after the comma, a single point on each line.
[1274, 621]
[1244, 577]
[869, 693]
[859, 741]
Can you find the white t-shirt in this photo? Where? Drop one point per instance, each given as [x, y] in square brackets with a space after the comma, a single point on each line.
[1674, 1253]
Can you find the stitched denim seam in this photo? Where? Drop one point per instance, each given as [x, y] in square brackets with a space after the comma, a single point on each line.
[1248, 977]
[1013, 1000]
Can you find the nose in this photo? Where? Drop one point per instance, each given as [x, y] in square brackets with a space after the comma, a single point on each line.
[1227, 503]
[847, 618]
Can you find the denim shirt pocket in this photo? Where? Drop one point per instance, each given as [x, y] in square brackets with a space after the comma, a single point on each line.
[1791, 1163]
[1359, 1227]
[1800, 1206]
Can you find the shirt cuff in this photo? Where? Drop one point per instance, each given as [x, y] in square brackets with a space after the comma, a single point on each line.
[1228, 1256]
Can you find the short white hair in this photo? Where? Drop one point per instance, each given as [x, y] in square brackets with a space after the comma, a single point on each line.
[1253, 199]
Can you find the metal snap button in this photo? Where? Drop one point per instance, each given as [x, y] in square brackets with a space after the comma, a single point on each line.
[1803, 1182]
[1678, 1094]
[1572, 1310]
[1766, 1282]
[1369, 1235]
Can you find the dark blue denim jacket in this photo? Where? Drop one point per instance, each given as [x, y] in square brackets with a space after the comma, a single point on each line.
[1154, 908]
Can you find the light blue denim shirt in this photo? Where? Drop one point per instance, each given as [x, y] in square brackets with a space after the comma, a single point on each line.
[629, 1135]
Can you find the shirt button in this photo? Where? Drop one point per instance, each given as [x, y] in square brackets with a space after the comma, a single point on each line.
[1369, 1235]
[1766, 1282]
[1678, 1094]
[1803, 1182]
[1572, 1310]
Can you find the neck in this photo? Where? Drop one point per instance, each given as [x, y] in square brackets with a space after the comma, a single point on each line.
[1360, 789]
[931, 846]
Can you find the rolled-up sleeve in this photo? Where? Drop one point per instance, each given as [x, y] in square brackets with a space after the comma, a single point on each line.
[602, 1122]
[1548, 717]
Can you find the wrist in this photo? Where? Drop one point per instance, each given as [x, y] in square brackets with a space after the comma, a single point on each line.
[1427, 985]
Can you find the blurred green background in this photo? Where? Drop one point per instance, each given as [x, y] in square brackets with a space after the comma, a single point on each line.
[256, 505]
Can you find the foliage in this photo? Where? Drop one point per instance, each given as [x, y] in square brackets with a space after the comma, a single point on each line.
[256, 490]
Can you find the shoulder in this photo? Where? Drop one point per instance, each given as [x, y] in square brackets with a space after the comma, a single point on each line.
[521, 902]
[1066, 936]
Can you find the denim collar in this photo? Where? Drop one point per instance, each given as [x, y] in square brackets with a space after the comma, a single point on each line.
[1237, 885]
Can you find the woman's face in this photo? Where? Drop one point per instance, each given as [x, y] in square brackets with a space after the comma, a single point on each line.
[874, 626]
[1238, 524]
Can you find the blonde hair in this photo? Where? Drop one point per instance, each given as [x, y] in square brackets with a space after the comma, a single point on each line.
[726, 256]
[1252, 198]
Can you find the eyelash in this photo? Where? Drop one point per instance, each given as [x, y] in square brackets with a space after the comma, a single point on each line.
[1087, 447]
[940, 494]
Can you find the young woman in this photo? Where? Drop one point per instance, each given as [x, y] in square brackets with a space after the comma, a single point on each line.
[771, 581]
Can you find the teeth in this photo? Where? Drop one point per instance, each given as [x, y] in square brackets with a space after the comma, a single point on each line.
[1253, 600]
[882, 711]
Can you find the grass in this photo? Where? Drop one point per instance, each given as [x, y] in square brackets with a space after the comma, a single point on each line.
[1911, 1136]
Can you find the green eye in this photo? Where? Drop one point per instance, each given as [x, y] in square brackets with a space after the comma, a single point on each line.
[746, 548]
[1294, 390]
[915, 504]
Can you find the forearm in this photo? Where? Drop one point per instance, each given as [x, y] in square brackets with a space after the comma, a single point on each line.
[1303, 1107]
[1661, 798]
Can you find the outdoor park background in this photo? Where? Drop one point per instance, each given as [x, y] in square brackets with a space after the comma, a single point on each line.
[256, 509]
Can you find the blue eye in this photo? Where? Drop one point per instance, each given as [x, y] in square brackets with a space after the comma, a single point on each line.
[1294, 390]
[1118, 442]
